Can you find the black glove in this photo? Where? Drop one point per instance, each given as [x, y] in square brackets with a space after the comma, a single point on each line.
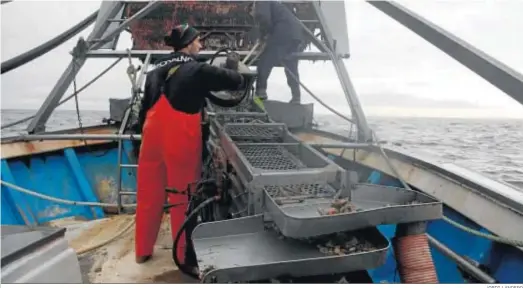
[232, 61]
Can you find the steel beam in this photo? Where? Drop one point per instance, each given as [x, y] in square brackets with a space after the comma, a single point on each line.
[65, 137]
[311, 56]
[490, 69]
[364, 131]
[461, 262]
[107, 12]
[50, 103]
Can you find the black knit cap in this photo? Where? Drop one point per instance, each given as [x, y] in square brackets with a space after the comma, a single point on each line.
[181, 36]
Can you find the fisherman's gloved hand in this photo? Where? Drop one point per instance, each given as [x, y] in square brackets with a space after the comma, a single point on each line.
[232, 61]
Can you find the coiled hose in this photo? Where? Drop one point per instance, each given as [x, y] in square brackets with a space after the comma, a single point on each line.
[184, 268]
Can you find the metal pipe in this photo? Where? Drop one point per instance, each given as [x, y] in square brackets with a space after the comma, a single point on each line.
[65, 137]
[119, 177]
[342, 145]
[496, 73]
[136, 88]
[311, 56]
[38, 51]
[461, 262]
[364, 131]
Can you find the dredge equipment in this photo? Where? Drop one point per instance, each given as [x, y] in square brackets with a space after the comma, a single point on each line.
[280, 208]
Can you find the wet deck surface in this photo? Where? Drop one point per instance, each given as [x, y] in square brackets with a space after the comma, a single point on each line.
[115, 262]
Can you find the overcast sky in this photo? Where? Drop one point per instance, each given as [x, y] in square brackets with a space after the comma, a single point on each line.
[393, 70]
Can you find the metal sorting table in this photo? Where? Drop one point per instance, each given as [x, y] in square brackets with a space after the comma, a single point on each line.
[261, 149]
[297, 209]
[244, 249]
[289, 184]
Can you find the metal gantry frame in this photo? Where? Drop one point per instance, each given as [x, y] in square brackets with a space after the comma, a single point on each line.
[495, 72]
[498, 74]
[106, 17]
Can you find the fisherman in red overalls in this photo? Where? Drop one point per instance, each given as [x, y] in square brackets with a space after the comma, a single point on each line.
[171, 148]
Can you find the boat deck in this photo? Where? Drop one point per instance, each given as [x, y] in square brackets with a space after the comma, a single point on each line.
[115, 262]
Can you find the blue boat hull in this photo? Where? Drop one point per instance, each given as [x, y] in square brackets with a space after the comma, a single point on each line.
[69, 174]
[91, 176]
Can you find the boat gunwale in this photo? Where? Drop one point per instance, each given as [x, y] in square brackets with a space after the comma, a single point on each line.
[423, 161]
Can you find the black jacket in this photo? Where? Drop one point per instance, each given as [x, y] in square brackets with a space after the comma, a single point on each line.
[189, 86]
[277, 21]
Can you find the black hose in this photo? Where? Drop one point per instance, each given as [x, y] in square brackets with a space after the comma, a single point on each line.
[36, 52]
[221, 50]
[185, 269]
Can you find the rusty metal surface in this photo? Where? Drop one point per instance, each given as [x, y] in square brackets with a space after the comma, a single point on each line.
[24, 148]
[222, 23]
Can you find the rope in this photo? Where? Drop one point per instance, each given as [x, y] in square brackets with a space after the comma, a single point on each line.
[77, 105]
[58, 200]
[68, 97]
[317, 98]
[103, 243]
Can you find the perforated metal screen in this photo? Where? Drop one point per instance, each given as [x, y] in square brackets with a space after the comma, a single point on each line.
[271, 157]
[255, 133]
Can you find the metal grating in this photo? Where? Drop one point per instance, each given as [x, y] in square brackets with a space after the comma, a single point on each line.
[320, 190]
[255, 133]
[241, 119]
[271, 158]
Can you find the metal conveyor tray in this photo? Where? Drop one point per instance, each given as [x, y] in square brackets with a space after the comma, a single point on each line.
[243, 249]
[306, 210]
[241, 117]
[257, 133]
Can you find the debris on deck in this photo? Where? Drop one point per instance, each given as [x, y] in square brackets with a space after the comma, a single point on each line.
[115, 262]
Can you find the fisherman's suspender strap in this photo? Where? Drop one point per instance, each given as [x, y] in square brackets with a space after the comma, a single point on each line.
[171, 72]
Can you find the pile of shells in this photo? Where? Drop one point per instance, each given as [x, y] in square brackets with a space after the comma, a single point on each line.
[343, 244]
[333, 244]
[339, 206]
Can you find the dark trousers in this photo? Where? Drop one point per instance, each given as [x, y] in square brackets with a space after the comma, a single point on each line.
[277, 53]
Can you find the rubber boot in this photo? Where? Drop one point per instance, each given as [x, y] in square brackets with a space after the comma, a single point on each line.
[262, 94]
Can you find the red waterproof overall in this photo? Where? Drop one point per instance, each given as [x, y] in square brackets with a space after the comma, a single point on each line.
[170, 156]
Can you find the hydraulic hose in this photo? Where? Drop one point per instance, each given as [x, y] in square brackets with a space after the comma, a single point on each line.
[38, 51]
[193, 214]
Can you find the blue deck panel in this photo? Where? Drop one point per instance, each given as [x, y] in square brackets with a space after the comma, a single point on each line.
[84, 187]
[15, 209]
[101, 172]
[70, 176]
